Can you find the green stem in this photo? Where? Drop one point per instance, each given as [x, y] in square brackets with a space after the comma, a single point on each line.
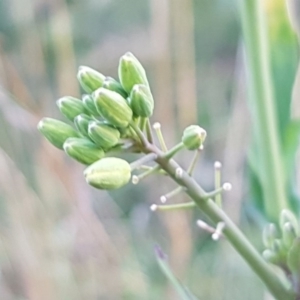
[160, 137]
[231, 231]
[174, 150]
[149, 131]
[218, 197]
[193, 163]
[178, 206]
[263, 110]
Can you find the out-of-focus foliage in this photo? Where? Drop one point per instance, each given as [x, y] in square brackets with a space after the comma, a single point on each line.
[59, 238]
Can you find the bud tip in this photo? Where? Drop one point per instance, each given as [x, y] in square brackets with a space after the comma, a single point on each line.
[163, 199]
[217, 165]
[227, 186]
[135, 179]
[153, 207]
[156, 126]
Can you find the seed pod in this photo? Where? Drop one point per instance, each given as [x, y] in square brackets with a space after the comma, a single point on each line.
[193, 137]
[56, 132]
[108, 173]
[131, 72]
[83, 150]
[113, 85]
[70, 107]
[269, 235]
[89, 104]
[141, 101]
[112, 107]
[89, 79]
[104, 135]
[82, 124]
[287, 216]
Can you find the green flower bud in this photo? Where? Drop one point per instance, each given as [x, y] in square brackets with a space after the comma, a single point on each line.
[112, 107]
[270, 256]
[131, 72]
[286, 216]
[56, 132]
[82, 124]
[108, 173]
[141, 101]
[293, 257]
[104, 135]
[288, 235]
[269, 235]
[193, 137]
[113, 85]
[279, 249]
[83, 150]
[70, 107]
[89, 79]
[89, 104]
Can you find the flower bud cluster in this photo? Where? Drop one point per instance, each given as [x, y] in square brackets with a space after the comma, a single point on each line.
[101, 120]
[283, 246]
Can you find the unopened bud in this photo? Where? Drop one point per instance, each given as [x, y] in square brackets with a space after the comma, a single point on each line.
[103, 135]
[113, 85]
[83, 150]
[269, 235]
[287, 216]
[70, 107]
[193, 137]
[89, 79]
[279, 249]
[90, 106]
[288, 235]
[56, 132]
[131, 72]
[141, 101]
[108, 173]
[82, 124]
[113, 107]
[270, 256]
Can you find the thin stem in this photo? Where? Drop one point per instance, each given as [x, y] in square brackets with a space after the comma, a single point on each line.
[143, 122]
[174, 150]
[149, 131]
[139, 133]
[193, 163]
[168, 207]
[231, 231]
[171, 194]
[160, 137]
[218, 197]
[263, 109]
[143, 160]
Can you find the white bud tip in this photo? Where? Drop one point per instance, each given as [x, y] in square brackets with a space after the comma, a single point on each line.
[163, 199]
[227, 186]
[179, 173]
[156, 126]
[218, 165]
[201, 132]
[215, 236]
[202, 224]
[153, 207]
[135, 179]
[201, 147]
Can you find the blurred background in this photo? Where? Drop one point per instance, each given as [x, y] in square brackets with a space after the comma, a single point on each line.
[60, 238]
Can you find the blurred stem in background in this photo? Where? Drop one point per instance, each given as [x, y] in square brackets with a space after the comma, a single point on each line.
[262, 106]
